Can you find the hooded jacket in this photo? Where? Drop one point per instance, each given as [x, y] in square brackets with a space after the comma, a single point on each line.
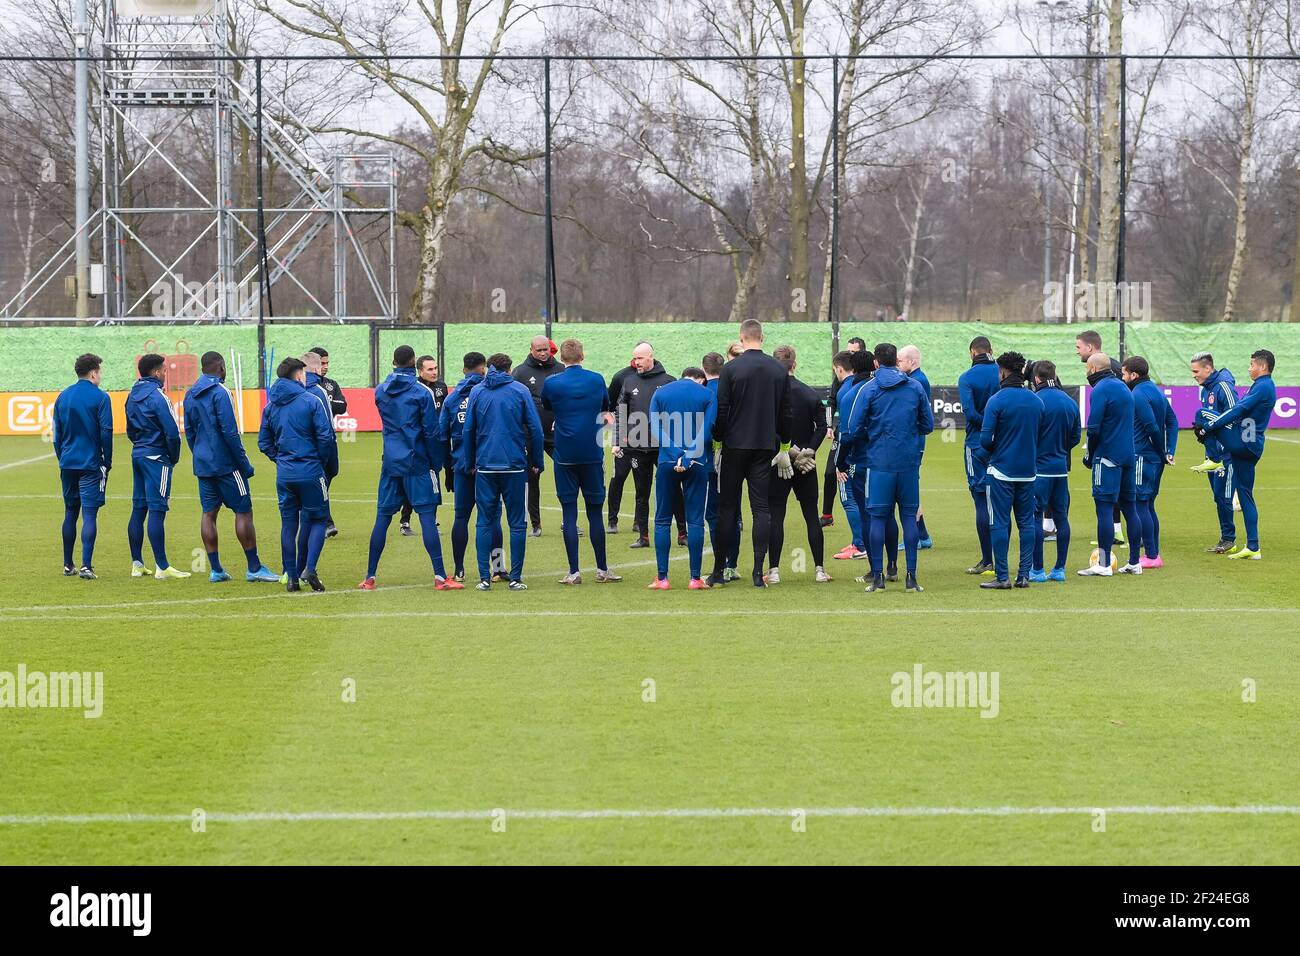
[451, 420]
[682, 414]
[632, 409]
[532, 375]
[844, 398]
[1155, 426]
[1256, 407]
[150, 424]
[975, 387]
[314, 387]
[1059, 432]
[297, 434]
[1012, 419]
[1110, 421]
[887, 422]
[502, 430]
[410, 423]
[211, 431]
[83, 427]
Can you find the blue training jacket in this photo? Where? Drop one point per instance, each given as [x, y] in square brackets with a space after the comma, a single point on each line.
[211, 431]
[410, 420]
[1218, 394]
[975, 387]
[452, 421]
[1155, 426]
[888, 421]
[503, 431]
[1110, 422]
[848, 452]
[83, 427]
[576, 397]
[1011, 421]
[682, 414]
[1248, 418]
[1058, 434]
[150, 425]
[297, 434]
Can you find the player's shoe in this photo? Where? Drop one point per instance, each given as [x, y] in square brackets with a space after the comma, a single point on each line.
[611, 527]
[827, 520]
[1056, 574]
[292, 585]
[331, 531]
[1049, 536]
[996, 585]
[216, 577]
[138, 570]
[1096, 571]
[1223, 547]
[312, 579]
[981, 568]
[716, 581]
[405, 529]
[572, 579]
[1038, 576]
[730, 574]
[517, 586]
[484, 585]
[1135, 568]
[1021, 582]
[447, 584]
[69, 571]
[698, 584]
[773, 576]
[891, 572]
[658, 584]
[262, 575]
[681, 539]
[877, 583]
[925, 544]
[640, 543]
[912, 585]
[1207, 466]
[758, 579]
[822, 577]
[845, 553]
[1245, 554]
[1119, 535]
[460, 575]
[162, 574]
[858, 556]
[607, 577]
[367, 585]
[87, 573]
[536, 531]
[500, 577]
[1150, 564]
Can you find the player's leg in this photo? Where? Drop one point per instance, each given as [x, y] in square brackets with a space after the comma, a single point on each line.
[93, 488]
[891, 545]
[1242, 483]
[695, 484]
[976, 467]
[998, 498]
[1128, 508]
[535, 502]
[643, 465]
[711, 510]
[923, 534]
[424, 495]
[858, 489]
[776, 505]
[806, 490]
[679, 516]
[1023, 505]
[316, 517]
[330, 530]
[614, 500]
[1060, 505]
[1105, 493]
[665, 493]
[159, 492]
[907, 493]
[210, 503]
[566, 490]
[731, 478]
[139, 512]
[404, 525]
[1042, 491]
[592, 482]
[514, 495]
[487, 502]
[877, 510]
[1223, 508]
[830, 491]
[758, 477]
[71, 511]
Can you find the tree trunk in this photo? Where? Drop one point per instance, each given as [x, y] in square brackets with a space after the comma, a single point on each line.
[1246, 143]
[913, 239]
[1111, 158]
[799, 205]
[1295, 278]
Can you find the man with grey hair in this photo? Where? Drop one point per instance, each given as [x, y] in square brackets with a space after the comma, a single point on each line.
[636, 449]
[532, 373]
[909, 363]
[315, 372]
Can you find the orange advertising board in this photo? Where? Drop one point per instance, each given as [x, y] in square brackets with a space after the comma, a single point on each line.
[30, 413]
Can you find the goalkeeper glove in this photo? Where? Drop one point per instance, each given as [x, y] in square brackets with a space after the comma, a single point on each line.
[804, 459]
[781, 462]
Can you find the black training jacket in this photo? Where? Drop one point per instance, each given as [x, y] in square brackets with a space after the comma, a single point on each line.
[754, 410]
[808, 424]
[634, 396]
[533, 374]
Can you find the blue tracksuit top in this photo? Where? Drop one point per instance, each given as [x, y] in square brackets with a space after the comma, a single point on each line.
[1110, 422]
[211, 431]
[503, 431]
[975, 387]
[410, 421]
[452, 421]
[888, 421]
[682, 414]
[297, 433]
[1058, 434]
[1155, 426]
[1011, 421]
[83, 427]
[577, 397]
[919, 376]
[848, 452]
[1255, 408]
[150, 424]
[1219, 392]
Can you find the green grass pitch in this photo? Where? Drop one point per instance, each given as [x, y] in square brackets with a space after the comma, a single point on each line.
[1120, 693]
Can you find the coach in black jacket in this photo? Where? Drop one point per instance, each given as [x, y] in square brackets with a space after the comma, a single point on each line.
[338, 401]
[755, 419]
[532, 373]
[634, 446]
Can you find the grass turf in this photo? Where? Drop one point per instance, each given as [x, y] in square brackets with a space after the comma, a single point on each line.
[227, 698]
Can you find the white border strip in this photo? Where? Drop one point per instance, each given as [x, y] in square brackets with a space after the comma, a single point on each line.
[668, 813]
[29, 461]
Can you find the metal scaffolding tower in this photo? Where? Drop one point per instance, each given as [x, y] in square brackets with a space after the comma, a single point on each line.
[180, 232]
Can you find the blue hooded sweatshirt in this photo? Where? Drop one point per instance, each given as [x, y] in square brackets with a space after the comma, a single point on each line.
[575, 397]
[83, 427]
[1218, 392]
[216, 447]
[848, 452]
[1155, 426]
[975, 387]
[503, 431]
[1012, 419]
[888, 421]
[452, 420]
[314, 387]
[297, 434]
[410, 421]
[682, 414]
[150, 424]
[1110, 422]
[1058, 434]
[1256, 408]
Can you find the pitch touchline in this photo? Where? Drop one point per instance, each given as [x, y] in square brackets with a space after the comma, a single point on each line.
[28, 461]
[448, 612]
[670, 813]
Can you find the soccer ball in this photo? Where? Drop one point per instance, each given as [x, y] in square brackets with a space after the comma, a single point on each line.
[1096, 558]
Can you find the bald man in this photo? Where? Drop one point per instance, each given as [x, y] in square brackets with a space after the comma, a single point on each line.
[1111, 456]
[909, 363]
[532, 373]
[636, 449]
[315, 368]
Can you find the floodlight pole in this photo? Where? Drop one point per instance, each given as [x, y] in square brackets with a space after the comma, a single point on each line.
[81, 123]
[833, 306]
[1121, 296]
[549, 311]
[263, 290]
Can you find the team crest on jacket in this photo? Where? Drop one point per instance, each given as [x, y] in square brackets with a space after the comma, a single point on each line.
[532, 380]
[1211, 399]
[636, 391]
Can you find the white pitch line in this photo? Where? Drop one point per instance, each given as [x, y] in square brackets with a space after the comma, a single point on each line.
[666, 813]
[694, 612]
[29, 461]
